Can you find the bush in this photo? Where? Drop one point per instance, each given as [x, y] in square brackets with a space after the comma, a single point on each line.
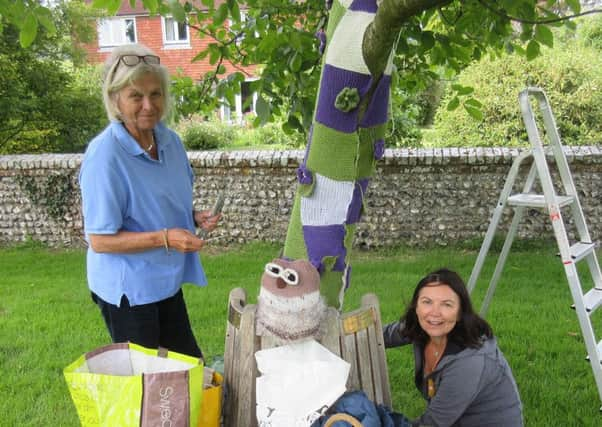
[589, 31]
[571, 77]
[207, 135]
[270, 134]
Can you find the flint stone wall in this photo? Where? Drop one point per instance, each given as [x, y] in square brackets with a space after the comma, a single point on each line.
[417, 196]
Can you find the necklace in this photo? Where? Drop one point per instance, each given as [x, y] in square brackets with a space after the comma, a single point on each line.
[152, 144]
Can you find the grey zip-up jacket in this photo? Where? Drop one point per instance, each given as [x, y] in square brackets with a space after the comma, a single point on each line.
[473, 387]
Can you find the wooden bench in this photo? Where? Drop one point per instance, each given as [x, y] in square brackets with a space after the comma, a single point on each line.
[355, 336]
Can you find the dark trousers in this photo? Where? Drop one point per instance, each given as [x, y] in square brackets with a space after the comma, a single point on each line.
[160, 324]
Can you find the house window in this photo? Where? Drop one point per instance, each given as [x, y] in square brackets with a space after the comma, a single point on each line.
[244, 103]
[174, 32]
[116, 31]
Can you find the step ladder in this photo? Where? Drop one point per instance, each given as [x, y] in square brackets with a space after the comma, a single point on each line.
[552, 203]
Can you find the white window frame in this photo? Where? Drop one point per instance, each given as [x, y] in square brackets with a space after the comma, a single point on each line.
[235, 115]
[117, 28]
[184, 43]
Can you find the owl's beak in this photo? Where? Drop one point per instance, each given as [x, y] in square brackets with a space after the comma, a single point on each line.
[281, 284]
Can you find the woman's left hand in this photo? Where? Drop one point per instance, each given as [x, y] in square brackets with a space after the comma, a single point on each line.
[205, 220]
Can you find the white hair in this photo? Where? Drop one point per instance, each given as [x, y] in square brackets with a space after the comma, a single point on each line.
[116, 76]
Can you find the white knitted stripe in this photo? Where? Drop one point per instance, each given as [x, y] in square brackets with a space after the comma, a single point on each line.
[347, 42]
[329, 202]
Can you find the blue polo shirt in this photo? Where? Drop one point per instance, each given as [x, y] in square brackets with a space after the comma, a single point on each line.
[123, 188]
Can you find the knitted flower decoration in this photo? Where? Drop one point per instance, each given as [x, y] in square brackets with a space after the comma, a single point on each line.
[347, 99]
[379, 149]
[304, 175]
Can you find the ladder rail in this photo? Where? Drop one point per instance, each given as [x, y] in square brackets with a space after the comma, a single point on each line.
[518, 214]
[565, 175]
[584, 249]
[496, 217]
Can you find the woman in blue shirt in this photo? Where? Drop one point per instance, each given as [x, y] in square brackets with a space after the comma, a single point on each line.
[137, 187]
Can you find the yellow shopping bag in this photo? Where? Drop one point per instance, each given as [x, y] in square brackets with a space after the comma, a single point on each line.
[211, 406]
[128, 385]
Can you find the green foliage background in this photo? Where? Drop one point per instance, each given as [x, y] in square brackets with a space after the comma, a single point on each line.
[49, 100]
[570, 75]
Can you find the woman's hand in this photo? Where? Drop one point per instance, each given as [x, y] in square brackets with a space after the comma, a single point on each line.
[183, 240]
[205, 220]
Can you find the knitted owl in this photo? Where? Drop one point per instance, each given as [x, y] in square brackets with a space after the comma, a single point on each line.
[289, 306]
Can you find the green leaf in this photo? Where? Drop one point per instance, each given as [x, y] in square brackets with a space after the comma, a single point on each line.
[45, 18]
[16, 13]
[220, 14]
[463, 90]
[262, 107]
[111, 6]
[544, 35]
[101, 4]
[473, 103]
[234, 10]
[29, 30]
[427, 40]
[151, 5]
[453, 104]
[177, 11]
[221, 69]
[532, 50]
[474, 112]
[575, 5]
[208, 3]
[214, 54]
[295, 62]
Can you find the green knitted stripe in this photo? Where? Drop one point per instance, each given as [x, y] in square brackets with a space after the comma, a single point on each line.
[366, 164]
[333, 154]
[331, 283]
[348, 242]
[334, 17]
[294, 246]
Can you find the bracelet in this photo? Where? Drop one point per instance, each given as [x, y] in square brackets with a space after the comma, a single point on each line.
[165, 240]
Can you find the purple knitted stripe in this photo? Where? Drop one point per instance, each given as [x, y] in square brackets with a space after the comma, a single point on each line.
[326, 240]
[354, 212]
[376, 113]
[364, 6]
[333, 81]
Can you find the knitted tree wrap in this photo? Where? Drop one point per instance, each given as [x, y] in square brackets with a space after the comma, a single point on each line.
[348, 126]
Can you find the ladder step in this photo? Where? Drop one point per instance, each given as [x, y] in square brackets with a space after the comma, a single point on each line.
[537, 200]
[580, 250]
[592, 299]
[599, 351]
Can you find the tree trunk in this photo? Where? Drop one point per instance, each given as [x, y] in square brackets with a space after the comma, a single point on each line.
[347, 135]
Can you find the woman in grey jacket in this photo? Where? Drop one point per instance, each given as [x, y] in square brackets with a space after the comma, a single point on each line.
[459, 369]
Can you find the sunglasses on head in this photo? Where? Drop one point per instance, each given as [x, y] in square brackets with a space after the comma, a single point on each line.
[131, 60]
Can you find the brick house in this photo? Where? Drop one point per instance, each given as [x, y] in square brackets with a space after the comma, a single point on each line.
[174, 42]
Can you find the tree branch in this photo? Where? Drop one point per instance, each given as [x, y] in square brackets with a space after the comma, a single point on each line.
[500, 12]
[382, 33]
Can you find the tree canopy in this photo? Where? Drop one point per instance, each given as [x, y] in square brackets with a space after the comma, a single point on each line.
[433, 39]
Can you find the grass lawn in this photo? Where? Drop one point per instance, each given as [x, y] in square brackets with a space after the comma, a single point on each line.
[47, 320]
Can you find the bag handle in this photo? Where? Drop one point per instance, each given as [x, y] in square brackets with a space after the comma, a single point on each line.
[341, 416]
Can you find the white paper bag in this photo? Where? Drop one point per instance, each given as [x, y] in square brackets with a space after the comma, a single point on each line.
[298, 383]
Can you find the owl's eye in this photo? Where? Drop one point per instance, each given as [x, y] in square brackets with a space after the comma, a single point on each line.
[273, 269]
[291, 277]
